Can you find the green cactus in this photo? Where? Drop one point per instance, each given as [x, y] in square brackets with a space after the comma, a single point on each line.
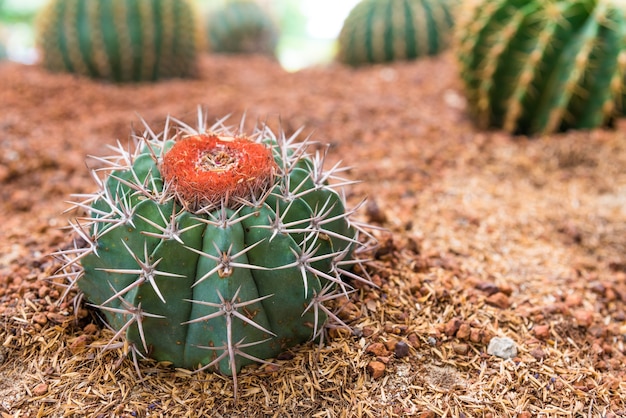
[242, 26]
[210, 251]
[533, 67]
[388, 30]
[120, 40]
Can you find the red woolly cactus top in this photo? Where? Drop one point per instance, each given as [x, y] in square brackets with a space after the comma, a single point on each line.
[206, 170]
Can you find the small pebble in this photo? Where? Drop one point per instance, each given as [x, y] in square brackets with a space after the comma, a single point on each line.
[542, 331]
[487, 287]
[476, 335]
[271, 368]
[573, 300]
[40, 390]
[390, 344]
[374, 213]
[349, 311]
[376, 369]
[461, 349]
[499, 300]
[377, 349]
[502, 347]
[43, 291]
[485, 336]
[401, 349]
[384, 359]
[452, 326]
[415, 341]
[538, 353]
[464, 331]
[57, 318]
[40, 318]
[368, 331]
[584, 318]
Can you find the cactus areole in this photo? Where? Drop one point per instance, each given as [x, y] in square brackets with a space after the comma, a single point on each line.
[210, 250]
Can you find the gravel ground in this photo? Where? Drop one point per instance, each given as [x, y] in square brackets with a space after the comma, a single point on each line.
[485, 235]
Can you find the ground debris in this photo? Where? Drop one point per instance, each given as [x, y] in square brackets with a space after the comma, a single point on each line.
[486, 235]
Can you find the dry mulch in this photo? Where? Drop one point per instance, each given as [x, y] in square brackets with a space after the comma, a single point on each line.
[486, 235]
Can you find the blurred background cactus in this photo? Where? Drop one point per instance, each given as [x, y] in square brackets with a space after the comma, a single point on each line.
[210, 250]
[542, 66]
[388, 30]
[242, 26]
[308, 28]
[120, 40]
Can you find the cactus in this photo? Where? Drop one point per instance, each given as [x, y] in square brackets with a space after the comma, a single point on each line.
[242, 26]
[210, 250]
[387, 30]
[120, 40]
[533, 67]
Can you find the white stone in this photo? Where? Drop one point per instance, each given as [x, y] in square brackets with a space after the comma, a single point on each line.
[502, 347]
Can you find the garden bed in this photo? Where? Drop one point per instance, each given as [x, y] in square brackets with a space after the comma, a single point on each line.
[485, 235]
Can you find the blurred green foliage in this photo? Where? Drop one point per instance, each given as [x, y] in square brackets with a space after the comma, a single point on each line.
[19, 11]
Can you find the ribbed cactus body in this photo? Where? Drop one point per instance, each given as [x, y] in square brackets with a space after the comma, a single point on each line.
[120, 40]
[242, 26]
[388, 30]
[543, 66]
[193, 269]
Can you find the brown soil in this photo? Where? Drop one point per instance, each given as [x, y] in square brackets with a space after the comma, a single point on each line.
[487, 235]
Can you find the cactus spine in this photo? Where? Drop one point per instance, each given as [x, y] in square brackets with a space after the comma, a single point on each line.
[213, 251]
[542, 66]
[388, 30]
[242, 26]
[120, 40]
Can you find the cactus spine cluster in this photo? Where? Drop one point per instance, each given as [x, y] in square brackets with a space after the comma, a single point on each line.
[242, 26]
[388, 30]
[210, 250]
[543, 66]
[120, 40]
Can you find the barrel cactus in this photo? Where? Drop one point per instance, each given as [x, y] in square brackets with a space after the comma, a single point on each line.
[120, 40]
[533, 67]
[212, 250]
[388, 30]
[242, 26]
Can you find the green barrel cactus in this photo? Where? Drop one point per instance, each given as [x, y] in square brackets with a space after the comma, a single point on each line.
[544, 66]
[210, 250]
[242, 26]
[378, 31]
[120, 40]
